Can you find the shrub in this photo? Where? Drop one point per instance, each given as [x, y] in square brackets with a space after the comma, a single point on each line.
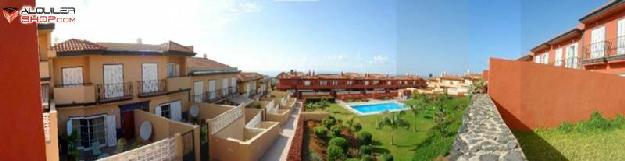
[339, 141]
[365, 150]
[618, 122]
[335, 153]
[596, 122]
[365, 138]
[335, 131]
[357, 127]
[386, 157]
[566, 127]
[366, 158]
[328, 121]
[321, 132]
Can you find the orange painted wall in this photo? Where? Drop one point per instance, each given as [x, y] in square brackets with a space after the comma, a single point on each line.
[531, 95]
[21, 125]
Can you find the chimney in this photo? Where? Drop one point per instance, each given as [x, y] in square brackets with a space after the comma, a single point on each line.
[139, 41]
[205, 56]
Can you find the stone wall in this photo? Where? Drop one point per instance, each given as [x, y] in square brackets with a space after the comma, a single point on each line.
[484, 135]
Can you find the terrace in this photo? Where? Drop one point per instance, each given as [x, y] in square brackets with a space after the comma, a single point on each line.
[230, 137]
[156, 138]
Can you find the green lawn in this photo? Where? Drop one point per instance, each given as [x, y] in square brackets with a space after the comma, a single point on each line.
[406, 139]
[554, 145]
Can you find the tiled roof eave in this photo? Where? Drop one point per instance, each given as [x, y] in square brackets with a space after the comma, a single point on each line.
[123, 52]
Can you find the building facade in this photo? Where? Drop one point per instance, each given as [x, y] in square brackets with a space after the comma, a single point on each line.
[597, 43]
[345, 85]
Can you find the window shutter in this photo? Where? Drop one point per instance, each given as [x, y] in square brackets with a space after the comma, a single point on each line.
[175, 112]
[157, 110]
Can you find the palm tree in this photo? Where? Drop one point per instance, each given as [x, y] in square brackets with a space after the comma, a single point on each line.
[416, 105]
[392, 120]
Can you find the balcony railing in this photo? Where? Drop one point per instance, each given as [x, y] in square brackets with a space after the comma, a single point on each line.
[114, 91]
[152, 87]
[604, 51]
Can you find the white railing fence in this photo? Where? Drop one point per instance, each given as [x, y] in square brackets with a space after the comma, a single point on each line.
[46, 126]
[163, 150]
[254, 121]
[225, 119]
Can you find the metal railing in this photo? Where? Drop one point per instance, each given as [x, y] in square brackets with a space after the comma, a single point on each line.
[113, 91]
[603, 51]
[152, 87]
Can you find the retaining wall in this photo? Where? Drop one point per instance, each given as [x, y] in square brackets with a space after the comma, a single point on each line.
[484, 135]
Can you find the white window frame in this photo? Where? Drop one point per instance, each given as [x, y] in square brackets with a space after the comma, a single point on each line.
[307, 83]
[558, 60]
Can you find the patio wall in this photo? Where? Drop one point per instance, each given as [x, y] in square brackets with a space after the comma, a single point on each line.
[531, 96]
[246, 149]
[163, 128]
[52, 137]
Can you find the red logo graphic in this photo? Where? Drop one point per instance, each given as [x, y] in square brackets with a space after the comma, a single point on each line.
[10, 13]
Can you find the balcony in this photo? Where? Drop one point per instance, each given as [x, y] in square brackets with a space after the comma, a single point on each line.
[178, 83]
[74, 94]
[608, 51]
[113, 92]
[152, 88]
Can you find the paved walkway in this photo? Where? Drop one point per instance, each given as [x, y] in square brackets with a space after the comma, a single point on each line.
[280, 148]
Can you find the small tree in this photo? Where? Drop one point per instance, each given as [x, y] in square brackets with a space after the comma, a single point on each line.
[339, 141]
[335, 153]
[365, 138]
[321, 132]
[394, 121]
[416, 105]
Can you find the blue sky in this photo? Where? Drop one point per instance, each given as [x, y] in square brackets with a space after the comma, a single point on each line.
[377, 36]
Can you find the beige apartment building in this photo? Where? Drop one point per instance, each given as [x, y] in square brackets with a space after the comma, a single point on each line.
[122, 100]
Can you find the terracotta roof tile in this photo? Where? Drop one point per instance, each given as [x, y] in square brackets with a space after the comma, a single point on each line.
[77, 45]
[248, 76]
[205, 63]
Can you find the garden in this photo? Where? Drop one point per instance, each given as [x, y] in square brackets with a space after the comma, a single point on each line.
[597, 138]
[424, 131]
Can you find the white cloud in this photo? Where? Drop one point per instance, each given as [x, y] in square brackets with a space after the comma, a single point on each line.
[379, 60]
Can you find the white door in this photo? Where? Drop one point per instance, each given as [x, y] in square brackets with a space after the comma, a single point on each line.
[248, 87]
[198, 88]
[175, 112]
[558, 57]
[113, 81]
[72, 76]
[111, 130]
[621, 37]
[150, 77]
[571, 56]
[233, 84]
[211, 89]
[597, 39]
[224, 86]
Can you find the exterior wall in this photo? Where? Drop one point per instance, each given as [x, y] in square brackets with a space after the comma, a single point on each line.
[249, 150]
[313, 115]
[163, 128]
[562, 46]
[526, 92]
[218, 150]
[218, 78]
[21, 99]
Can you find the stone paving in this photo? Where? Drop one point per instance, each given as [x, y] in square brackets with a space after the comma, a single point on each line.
[280, 148]
[484, 136]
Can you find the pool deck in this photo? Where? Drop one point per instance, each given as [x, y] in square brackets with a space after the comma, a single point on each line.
[348, 107]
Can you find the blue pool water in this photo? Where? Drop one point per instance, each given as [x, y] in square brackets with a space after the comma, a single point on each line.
[376, 108]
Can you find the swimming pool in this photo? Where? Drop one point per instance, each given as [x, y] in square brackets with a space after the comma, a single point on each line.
[378, 107]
